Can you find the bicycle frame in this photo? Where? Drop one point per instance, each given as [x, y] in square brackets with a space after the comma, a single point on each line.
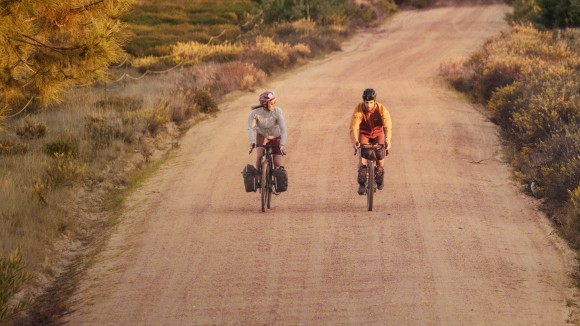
[267, 176]
[267, 182]
[371, 184]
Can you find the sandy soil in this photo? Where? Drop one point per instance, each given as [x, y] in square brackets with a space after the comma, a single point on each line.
[451, 240]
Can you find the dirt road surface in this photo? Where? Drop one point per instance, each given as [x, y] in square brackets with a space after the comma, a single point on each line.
[451, 241]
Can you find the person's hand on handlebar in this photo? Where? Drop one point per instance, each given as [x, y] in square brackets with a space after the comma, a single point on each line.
[252, 146]
[356, 145]
[283, 149]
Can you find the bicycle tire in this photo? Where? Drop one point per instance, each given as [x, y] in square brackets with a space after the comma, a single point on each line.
[264, 185]
[270, 185]
[370, 184]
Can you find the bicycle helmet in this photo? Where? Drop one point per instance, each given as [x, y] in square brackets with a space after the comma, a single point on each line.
[369, 94]
[267, 97]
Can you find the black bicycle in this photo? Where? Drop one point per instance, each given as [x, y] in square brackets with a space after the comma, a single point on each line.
[266, 181]
[371, 157]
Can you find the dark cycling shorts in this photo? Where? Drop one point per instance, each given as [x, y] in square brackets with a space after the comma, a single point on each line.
[275, 143]
[365, 152]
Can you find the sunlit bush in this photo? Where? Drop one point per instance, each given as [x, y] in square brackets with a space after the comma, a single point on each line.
[152, 119]
[543, 103]
[530, 80]
[195, 53]
[270, 56]
[237, 75]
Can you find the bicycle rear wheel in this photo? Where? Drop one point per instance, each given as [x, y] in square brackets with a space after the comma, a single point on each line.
[265, 185]
[370, 184]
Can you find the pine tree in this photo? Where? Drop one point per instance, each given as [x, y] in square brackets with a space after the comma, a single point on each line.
[47, 46]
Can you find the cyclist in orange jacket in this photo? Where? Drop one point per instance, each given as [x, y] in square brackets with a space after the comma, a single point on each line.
[370, 124]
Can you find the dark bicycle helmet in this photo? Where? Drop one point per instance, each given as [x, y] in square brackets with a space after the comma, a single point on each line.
[369, 94]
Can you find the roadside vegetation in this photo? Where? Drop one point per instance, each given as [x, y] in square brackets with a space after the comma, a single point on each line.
[529, 80]
[68, 151]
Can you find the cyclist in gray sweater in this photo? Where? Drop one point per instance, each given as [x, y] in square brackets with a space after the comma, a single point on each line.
[266, 124]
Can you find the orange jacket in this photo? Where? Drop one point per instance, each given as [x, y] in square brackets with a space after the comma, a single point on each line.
[370, 125]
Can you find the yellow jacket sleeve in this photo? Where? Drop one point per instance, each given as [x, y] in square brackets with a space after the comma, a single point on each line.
[357, 116]
[387, 123]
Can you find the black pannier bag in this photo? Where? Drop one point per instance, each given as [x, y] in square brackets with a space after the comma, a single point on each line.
[281, 179]
[367, 153]
[249, 173]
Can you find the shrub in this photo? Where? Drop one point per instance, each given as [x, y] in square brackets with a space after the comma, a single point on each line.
[152, 63]
[63, 170]
[204, 101]
[103, 131]
[31, 129]
[270, 56]
[543, 104]
[458, 73]
[13, 277]
[12, 147]
[195, 53]
[513, 55]
[236, 75]
[150, 118]
[123, 103]
[61, 147]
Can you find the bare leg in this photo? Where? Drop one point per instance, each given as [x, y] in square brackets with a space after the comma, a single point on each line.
[277, 160]
[362, 161]
[259, 154]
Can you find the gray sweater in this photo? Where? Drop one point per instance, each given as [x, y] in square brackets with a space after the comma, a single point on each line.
[268, 124]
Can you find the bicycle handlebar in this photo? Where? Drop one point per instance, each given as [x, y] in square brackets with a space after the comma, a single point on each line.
[373, 146]
[267, 145]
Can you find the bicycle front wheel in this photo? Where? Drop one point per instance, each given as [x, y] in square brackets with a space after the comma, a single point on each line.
[265, 186]
[370, 184]
[270, 185]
